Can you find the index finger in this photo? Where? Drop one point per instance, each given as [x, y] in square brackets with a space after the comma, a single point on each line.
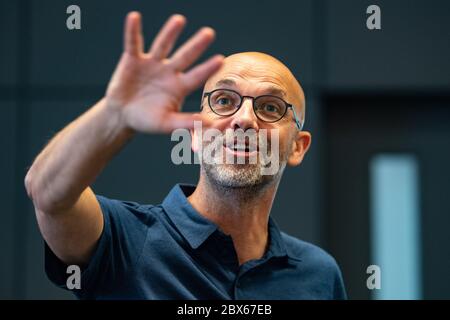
[167, 36]
[133, 39]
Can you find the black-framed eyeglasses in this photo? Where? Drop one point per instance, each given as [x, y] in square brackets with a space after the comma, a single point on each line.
[267, 108]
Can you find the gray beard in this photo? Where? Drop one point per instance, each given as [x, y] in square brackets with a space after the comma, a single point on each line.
[242, 181]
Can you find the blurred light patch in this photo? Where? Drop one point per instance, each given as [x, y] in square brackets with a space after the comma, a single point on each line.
[395, 229]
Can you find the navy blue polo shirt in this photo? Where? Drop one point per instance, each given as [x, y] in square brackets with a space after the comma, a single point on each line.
[170, 251]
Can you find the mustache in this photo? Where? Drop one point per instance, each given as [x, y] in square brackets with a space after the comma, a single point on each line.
[264, 142]
[250, 140]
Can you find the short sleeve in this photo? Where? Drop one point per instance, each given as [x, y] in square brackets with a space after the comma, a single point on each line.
[118, 249]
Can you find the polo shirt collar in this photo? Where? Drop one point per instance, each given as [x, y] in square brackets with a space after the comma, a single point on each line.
[192, 225]
[196, 229]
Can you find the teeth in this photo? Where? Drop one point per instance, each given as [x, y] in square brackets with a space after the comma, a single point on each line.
[240, 148]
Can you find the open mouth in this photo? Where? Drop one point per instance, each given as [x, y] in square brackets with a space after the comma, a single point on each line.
[241, 149]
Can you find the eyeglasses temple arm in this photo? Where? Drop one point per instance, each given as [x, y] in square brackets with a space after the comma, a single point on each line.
[297, 121]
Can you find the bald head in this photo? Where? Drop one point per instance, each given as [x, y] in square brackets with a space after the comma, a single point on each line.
[263, 70]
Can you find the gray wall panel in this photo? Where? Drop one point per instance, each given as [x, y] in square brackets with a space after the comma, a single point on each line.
[410, 51]
[9, 42]
[88, 56]
[7, 165]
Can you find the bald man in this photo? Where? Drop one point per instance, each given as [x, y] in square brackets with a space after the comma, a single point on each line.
[215, 240]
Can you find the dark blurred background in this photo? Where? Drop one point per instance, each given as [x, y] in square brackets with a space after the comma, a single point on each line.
[373, 189]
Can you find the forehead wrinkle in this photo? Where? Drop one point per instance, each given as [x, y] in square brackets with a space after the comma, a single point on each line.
[273, 88]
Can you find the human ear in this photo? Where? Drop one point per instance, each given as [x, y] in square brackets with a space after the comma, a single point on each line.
[300, 146]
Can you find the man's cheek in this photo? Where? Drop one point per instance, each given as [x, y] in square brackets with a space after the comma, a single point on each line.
[271, 156]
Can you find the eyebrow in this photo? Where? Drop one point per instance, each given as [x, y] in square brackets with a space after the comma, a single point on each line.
[271, 90]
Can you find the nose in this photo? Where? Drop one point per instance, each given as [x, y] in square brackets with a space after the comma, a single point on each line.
[245, 118]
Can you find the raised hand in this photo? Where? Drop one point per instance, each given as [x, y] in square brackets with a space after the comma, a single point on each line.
[148, 88]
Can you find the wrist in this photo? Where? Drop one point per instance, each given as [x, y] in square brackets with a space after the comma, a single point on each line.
[115, 116]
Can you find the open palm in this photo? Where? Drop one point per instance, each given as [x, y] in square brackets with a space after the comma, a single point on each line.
[148, 88]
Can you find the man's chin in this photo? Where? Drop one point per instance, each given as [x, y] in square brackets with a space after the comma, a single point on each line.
[238, 167]
[236, 176]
